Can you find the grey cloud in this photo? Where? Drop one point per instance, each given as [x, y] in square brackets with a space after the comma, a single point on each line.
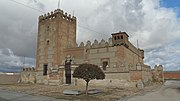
[18, 29]
[13, 63]
[38, 4]
[165, 55]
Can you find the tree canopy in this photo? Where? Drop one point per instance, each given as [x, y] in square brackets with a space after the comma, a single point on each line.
[88, 72]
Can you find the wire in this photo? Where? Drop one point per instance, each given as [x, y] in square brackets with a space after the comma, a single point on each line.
[28, 6]
[90, 29]
[45, 12]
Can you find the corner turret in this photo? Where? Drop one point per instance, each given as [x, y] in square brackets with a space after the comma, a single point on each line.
[120, 38]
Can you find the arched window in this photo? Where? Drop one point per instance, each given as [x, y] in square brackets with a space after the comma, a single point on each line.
[118, 37]
[121, 37]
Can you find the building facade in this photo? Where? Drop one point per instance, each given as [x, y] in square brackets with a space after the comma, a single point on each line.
[117, 57]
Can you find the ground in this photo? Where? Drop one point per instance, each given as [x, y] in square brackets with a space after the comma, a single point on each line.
[108, 94]
[15, 96]
[169, 92]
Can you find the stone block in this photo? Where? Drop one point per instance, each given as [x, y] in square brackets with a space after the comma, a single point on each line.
[140, 84]
[94, 91]
[71, 92]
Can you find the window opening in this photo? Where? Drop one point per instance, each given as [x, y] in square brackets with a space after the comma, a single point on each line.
[115, 38]
[47, 42]
[121, 37]
[105, 63]
[45, 69]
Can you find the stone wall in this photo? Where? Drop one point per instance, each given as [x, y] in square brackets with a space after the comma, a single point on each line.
[78, 55]
[132, 58]
[28, 75]
[111, 83]
[157, 73]
[99, 55]
[136, 75]
[172, 75]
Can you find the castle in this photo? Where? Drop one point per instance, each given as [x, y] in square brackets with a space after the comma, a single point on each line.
[117, 57]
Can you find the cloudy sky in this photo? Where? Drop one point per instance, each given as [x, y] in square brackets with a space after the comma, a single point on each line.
[155, 23]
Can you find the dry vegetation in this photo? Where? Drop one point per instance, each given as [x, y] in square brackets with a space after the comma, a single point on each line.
[108, 94]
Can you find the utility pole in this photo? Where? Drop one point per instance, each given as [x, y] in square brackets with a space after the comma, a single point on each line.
[73, 12]
[138, 50]
[58, 4]
[24, 61]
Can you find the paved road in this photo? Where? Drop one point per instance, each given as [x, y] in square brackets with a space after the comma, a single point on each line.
[169, 92]
[14, 96]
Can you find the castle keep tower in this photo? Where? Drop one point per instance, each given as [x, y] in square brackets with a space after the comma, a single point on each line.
[56, 31]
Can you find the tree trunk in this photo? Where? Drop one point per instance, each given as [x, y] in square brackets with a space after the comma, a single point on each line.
[87, 87]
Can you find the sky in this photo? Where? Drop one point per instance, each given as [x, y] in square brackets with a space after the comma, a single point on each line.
[154, 23]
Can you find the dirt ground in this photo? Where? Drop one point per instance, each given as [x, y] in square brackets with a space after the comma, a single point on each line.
[108, 93]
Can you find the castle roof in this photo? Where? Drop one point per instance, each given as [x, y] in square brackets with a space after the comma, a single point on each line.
[120, 33]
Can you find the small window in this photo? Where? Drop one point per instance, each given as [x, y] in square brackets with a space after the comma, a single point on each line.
[105, 63]
[47, 42]
[121, 37]
[45, 69]
[47, 28]
[118, 37]
[115, 38]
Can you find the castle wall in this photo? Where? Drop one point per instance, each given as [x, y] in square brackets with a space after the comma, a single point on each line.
[77, 54]
[28, 75]
[98, 55]
[157, 73]
[132, 57]
[108, 83]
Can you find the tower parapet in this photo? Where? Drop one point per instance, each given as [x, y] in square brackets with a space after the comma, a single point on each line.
[57, 14]
[29, 69]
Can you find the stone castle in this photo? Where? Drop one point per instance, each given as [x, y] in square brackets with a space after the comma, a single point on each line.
[117, 57]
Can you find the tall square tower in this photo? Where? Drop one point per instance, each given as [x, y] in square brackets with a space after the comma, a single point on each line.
[56, 32]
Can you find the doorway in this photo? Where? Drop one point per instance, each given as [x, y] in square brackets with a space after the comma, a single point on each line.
[68, 72]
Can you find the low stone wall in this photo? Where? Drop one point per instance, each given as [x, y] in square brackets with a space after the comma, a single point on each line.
[172, 75]
[108, 83]
[28, 75]
[120, 76]
[9, 78]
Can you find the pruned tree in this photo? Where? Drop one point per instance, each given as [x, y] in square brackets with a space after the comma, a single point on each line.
[88, 72]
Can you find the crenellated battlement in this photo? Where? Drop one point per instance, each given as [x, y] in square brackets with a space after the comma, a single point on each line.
[57, 14]
[29, 69]
[96, 44]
